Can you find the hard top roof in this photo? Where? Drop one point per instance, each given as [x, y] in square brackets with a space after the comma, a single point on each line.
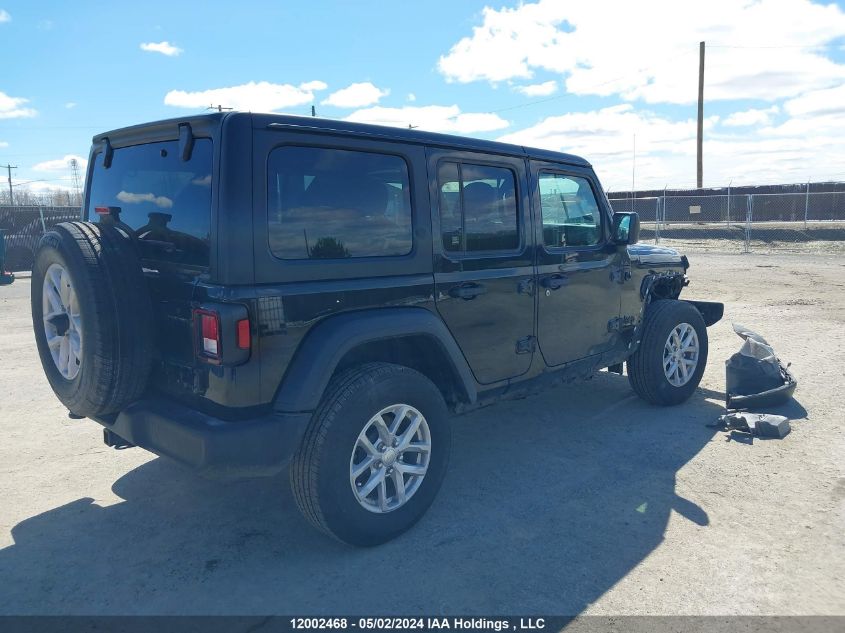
[318, 124]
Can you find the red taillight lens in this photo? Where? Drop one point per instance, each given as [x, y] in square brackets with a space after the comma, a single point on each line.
[102, 210]
[243, 334]
[209, 333]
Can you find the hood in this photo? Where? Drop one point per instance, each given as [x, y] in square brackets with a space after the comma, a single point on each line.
[650, 255]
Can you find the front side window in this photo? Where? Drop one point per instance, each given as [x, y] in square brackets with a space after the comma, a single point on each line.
[571, 216]
[478, 209]
[336, 204]
[166, 201]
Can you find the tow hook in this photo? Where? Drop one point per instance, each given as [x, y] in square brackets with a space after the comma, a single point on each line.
[115, 441]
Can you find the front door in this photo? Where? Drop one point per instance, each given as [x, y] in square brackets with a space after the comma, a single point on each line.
[483, 270]
[579, 294]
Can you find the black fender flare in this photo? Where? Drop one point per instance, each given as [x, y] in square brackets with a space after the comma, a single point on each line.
[711, 311]
[330, 340]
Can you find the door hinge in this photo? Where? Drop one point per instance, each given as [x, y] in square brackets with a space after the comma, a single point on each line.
[526, 345]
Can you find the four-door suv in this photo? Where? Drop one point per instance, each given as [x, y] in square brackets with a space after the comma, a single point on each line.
[263, 290]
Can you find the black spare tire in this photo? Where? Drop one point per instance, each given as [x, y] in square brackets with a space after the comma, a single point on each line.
[92, 316]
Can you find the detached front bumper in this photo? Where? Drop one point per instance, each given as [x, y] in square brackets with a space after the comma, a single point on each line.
[216, 448]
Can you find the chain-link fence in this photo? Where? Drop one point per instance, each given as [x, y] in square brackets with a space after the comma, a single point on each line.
[23, 228]
[810, 221]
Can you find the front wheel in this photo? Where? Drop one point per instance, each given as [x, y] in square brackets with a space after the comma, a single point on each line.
[669, 363]
[374, 455]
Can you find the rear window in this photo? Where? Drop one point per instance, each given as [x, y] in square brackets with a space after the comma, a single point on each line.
[166, 201]
[334, 204]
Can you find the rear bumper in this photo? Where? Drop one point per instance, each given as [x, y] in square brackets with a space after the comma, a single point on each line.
[214, 447]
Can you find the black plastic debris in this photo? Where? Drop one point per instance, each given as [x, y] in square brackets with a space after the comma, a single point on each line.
[755, 376]
[757, 424]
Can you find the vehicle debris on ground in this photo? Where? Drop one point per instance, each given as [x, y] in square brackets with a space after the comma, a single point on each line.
[755, 376]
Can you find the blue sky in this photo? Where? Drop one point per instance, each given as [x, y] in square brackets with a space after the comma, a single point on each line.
[571, 76]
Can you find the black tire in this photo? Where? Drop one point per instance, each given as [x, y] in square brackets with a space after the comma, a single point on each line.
[319, 472]
[115, 313]
[645, 366]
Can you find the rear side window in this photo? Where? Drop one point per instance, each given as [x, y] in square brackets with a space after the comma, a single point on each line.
[477, 208]
[166, 201]
[333, 204]
[571, 216]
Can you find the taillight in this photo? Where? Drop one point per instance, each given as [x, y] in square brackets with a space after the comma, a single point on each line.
[208, 334]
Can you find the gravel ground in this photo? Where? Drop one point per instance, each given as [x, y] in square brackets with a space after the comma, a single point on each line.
[580, 500]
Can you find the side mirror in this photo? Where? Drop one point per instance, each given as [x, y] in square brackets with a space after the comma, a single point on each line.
[626, 228]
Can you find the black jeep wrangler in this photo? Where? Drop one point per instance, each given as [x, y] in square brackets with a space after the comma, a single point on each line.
[260, 291]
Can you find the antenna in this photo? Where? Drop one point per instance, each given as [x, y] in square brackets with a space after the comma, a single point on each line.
[74, 169]
[218, 107]
[634, 173]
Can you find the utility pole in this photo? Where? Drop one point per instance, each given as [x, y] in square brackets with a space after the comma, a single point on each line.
[9, 169]
[700, 166]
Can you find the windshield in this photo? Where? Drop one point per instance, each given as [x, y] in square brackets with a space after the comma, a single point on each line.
[166, 201]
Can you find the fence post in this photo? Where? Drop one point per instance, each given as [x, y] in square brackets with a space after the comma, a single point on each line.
[729, 204]
[657, 221]
[806, 204]
[43, 224]
[748, 214]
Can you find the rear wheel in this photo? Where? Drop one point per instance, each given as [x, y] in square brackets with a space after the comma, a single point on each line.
[669, 363]
[92, 317]
[374, 455]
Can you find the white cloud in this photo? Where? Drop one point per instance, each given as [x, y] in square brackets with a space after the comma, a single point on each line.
[313, 85]
[666, 149]
[538, 90]
[356, 95]
[4, 144]
[12, 107]
[70, 105]
[751, 117]
[412, 97]
[648, 50]
[256, 97]
[61, 164]
[165, 48]
[162, 202]
[432, 118]
[4, 16]
[818, 102]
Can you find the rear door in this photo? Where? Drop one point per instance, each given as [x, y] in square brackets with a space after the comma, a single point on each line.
[167, 203]
[578, 295]
[483, 270]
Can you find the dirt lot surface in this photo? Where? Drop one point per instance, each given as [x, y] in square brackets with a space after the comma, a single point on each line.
[581, 500]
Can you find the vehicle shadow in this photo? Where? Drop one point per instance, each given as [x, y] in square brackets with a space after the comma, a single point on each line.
[549, 502]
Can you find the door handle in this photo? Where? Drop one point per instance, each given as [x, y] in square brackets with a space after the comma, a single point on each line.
[553, 282]
[467, 292]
